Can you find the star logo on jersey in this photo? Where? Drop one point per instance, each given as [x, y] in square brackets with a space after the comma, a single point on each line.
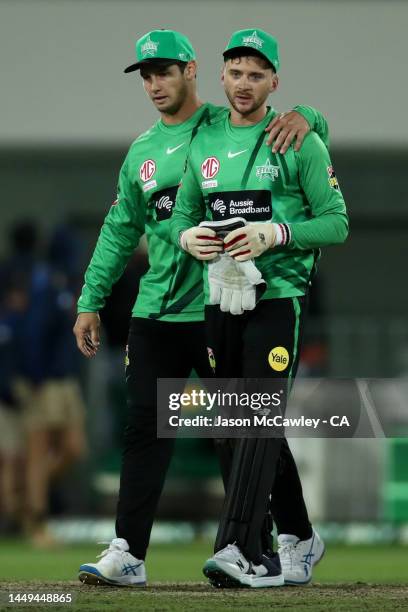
[149, 48]
[210, 167]
[267, 171]
[253, 40]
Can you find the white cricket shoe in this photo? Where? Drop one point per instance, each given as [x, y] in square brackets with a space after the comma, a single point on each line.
[298, 557]
[229, 568]
[117, 567]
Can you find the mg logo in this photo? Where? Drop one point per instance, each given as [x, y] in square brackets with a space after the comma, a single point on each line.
[147, 169]
[210, 167]
[164, 202]
[219, 206]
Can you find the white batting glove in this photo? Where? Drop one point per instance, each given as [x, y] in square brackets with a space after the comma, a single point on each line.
[251, 241]
[201, 242]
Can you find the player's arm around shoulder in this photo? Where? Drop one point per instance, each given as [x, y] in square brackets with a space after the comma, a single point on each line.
[316, 120]
[329, 222]
[292, 126]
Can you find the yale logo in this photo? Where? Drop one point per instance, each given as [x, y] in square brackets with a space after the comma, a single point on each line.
[278, 358]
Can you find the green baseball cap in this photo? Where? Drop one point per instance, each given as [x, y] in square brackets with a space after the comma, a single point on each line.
[263, 43]
[162, 44]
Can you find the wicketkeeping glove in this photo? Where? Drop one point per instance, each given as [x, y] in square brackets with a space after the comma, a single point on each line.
[235, 286]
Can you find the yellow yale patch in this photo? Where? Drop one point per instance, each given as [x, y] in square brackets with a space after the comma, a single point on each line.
[278, 358]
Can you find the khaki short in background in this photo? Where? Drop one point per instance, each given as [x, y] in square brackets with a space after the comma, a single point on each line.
[11, 431]
[54, 404]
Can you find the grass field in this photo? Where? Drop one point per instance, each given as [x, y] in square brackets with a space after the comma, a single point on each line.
[349, 578]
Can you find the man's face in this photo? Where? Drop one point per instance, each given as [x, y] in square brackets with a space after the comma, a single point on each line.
[248, 83]
[166, 86]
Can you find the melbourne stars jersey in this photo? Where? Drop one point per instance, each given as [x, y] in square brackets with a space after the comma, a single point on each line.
[230, 173]
[172, 288]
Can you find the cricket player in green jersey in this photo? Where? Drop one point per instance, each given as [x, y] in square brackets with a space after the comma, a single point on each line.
[167, 336]
[288, 205]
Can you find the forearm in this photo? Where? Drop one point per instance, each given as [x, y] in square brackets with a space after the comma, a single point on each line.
[112, 252]
[321, 231]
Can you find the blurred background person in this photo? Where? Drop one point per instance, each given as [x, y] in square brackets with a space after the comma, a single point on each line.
[47, 387]
[13, 303]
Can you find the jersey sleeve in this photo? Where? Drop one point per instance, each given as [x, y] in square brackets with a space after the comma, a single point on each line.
[119, 236]
[328, 223]
[316, 121]
[189, 208]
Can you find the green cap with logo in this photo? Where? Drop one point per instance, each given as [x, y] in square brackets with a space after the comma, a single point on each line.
[162, 45]
[263, 43]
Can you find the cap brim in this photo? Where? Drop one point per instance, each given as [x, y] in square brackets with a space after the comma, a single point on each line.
[155, 61]
[133, 67]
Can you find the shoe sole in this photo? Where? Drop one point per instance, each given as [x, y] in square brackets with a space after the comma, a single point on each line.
[89, 577]
[221, 580]
[294, 583]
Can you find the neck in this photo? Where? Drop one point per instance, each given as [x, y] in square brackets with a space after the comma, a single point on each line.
[251, 119]
[189, 107]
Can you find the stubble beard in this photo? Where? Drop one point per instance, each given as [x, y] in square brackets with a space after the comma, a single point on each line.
[252, 109]
[176, 105]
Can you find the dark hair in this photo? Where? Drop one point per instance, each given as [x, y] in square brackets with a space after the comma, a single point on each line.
[240, 52]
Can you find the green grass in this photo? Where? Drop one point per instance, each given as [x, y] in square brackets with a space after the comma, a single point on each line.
[177, 562]
[348, 578]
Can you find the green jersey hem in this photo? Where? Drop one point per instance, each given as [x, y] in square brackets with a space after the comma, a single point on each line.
[182, 317]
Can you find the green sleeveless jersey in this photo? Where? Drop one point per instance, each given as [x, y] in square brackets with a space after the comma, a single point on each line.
[231, 173]
[172, 288]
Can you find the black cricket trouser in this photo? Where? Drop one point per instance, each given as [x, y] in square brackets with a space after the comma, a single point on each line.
[241, 346]
[156, 349]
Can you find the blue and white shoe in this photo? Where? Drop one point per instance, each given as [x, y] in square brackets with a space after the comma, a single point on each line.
[117, 567]
[298, 557]
[228, 568]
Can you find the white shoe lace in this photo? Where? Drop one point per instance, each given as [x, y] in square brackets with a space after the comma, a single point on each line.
[113, 548]
[231, 550]
[287, 554]
[292, 555]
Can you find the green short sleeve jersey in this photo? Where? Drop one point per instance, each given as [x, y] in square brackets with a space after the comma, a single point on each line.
[171, 289]
[230, 173]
